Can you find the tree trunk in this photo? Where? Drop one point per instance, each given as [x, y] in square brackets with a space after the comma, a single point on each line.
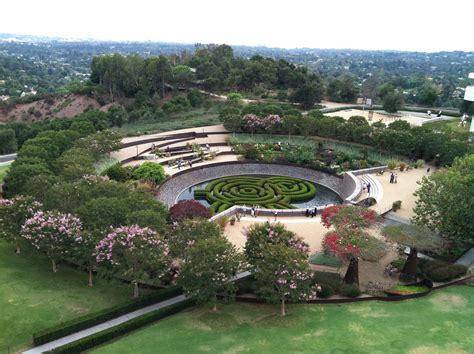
[352, 274]
[283, 312]
[18, 248]
[135, 289]
[55, 269]
[91, 283]
[163, 84]
[409, 270]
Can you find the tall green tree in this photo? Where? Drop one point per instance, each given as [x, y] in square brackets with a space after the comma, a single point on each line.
[445, 200]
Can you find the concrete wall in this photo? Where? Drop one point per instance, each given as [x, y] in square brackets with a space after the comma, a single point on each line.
[172, 188]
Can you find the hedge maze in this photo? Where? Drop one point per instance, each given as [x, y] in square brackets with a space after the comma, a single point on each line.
[266, 192]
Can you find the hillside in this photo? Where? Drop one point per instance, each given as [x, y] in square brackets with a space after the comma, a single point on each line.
[66, 106]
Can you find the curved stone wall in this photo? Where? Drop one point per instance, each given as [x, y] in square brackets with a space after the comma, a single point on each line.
[172, 188]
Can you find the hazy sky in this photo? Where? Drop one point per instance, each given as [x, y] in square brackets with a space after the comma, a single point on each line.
[362, 24]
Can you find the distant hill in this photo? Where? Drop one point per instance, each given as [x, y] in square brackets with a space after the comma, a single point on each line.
[66, 106]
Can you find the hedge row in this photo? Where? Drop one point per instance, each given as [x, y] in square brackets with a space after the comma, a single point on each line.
[268, 192]
[439, 271]
[93, 340]
[95, 318]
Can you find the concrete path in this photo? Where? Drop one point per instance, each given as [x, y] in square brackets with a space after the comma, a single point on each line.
[467, 258]
[113, 322]
[7, 158]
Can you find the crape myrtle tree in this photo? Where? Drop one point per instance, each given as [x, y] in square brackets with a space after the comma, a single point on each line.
[83, 254]
[446, 201]
[184, 235]
[279, 261]
[13, 214]
[54, 233]
[210, 265]
[348, 241]
[135, 254]
[417, 238]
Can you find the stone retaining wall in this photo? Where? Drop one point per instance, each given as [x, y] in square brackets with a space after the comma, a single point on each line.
[172, 187]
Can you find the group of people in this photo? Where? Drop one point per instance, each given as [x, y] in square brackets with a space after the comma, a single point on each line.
[393, 177]
[311, 212]
[438, 115]
[180, 163]
[390, 270]
[366, 187]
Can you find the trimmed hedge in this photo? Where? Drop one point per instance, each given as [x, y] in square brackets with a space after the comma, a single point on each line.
[439, 271]
[267, 192]
[93, 340]
[95, 318]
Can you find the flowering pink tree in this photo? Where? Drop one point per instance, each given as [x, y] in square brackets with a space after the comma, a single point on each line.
[53, 233]
[134, 253]
[13, 213]
[252, 122]
[272, 123]
[210, 265]
[279, 261]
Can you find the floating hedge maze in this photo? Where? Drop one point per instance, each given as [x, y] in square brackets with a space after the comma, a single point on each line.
[266, 192]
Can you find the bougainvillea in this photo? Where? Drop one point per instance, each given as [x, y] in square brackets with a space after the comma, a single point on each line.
[53, 233]
[187, 209]
[13, 213]
[135, 254]
[348, 216]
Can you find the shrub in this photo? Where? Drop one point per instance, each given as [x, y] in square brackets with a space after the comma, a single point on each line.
[350, 291]
[447, 273]
[396, 205]
[329, 279]
[398, 263]
[222, 222]
[151, 172]
[188, 209]
[363, 163]
[116, 172]
[420, 163]
[392, 164]
[232, 220]
[95, 318]
[326, 291]
[93, 340]
[402, 166]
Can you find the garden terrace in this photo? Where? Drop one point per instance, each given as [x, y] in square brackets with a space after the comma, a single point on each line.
[172, 188]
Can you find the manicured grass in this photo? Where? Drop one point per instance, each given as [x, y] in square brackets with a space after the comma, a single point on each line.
[3, 172]
[439, 323]
[347, 148]
[33, 298]
[195, 118]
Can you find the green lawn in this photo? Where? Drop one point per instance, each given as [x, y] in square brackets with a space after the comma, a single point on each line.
[33, 298]
[453, 124]
[194, 118]
[3, 172]
[440, 323]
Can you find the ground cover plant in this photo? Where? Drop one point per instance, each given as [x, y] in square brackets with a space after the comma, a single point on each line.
[367, 326]
[267, 192]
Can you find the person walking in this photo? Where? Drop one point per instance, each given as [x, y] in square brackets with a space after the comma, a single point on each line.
[368, 188]
[307, 212]
[179, 164]
[392, 177]
[428, 170]
[275, 214]
[315, 211]
[252, 212]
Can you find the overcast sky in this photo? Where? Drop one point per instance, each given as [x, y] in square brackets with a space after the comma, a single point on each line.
[359, 24]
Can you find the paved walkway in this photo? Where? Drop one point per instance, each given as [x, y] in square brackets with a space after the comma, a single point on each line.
[114, 322]
[467, 258]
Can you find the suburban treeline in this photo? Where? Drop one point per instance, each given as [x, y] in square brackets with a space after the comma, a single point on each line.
[212, 68]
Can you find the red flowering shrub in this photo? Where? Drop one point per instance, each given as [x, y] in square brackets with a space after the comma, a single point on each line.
[348, 216]
[188, 209]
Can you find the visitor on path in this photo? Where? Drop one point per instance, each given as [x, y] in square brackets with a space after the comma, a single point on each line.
[179, 164]
[208, 147]
[252, 212]
[392, 177]
[190, 163]
[275, 214]
[368, 188]
[256, 210]
[395, 178]
[364, 186]
[307, 212]
[429, 113]
[315, 211]
[439, 114]
[428, 170]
